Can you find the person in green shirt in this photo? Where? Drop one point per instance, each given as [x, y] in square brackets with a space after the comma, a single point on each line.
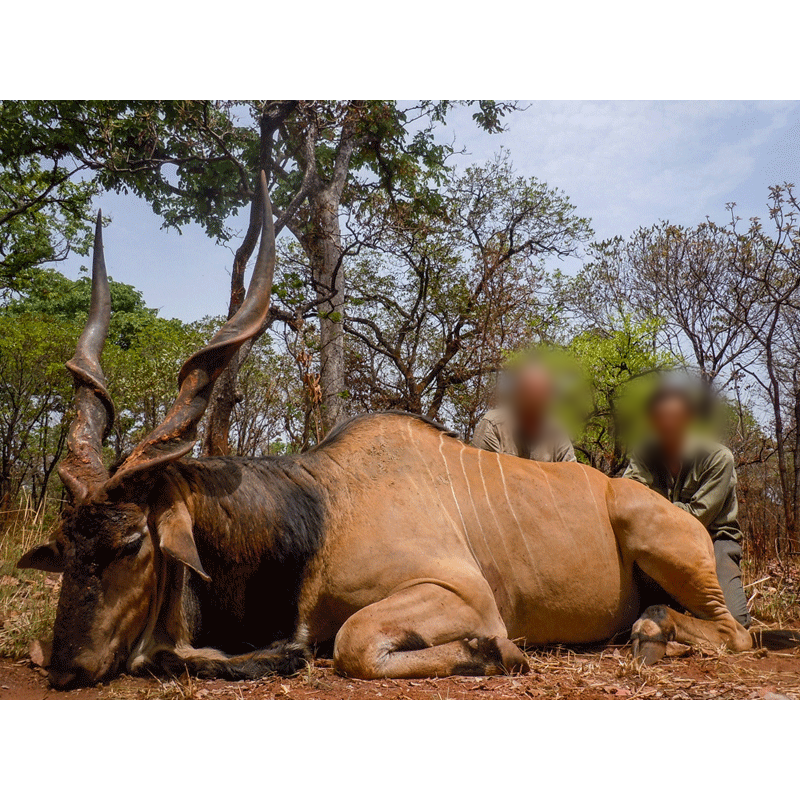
[697, 475]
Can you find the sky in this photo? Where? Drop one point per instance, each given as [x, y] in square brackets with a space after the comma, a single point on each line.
[623, 165]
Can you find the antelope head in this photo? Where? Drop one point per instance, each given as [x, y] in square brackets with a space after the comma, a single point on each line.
[111, 541]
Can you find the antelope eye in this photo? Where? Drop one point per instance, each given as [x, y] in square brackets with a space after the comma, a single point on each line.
[131, 547]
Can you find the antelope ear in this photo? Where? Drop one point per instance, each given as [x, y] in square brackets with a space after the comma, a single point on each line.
[174, 526]
[48, 557]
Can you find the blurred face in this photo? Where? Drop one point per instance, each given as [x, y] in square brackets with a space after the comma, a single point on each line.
[670, 420]
[532, 399]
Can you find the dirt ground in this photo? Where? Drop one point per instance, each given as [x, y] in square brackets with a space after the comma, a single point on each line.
[590, 674]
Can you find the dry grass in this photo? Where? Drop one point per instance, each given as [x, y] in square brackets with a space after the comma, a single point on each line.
[27, 597]
[774, 593]
[702, 674]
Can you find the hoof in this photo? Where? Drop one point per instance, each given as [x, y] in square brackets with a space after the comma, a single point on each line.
[510, 657]
[648, 641]
[648, 651]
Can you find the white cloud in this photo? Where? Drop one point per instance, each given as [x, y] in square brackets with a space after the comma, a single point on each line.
[627, 164]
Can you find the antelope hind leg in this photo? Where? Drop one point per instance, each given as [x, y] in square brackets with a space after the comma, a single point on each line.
[691, 578]
[663, 631]
[426, 631]
[676, 551]
[682, 563]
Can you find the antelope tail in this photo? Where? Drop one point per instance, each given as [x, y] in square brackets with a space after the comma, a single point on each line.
[775, 640]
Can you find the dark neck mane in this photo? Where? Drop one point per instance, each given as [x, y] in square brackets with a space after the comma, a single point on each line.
[257, 524]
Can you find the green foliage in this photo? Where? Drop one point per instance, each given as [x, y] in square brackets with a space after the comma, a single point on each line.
[44, 212]
[49, 294]
[142, 376]
[618, 366]
[196, 161]
[32, 392]
[39, 326]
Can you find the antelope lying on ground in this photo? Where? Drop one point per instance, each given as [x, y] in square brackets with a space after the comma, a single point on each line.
[413, 553]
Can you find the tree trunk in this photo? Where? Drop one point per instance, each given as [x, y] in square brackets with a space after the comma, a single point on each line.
[325, 252]
[796, 456]
[218, 422]
[223, 397]
[780, 444]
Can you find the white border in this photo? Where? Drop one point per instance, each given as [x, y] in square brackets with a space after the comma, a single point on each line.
[582, 49]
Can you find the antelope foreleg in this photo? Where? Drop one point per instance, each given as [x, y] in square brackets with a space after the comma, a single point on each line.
[283, 659]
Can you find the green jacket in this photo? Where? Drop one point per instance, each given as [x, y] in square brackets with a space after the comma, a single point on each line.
[705, 485]
[495, 432]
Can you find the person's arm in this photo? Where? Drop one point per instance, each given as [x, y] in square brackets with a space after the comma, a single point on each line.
[564, 451]
[486, 437]
[637, 471]
[715, 485]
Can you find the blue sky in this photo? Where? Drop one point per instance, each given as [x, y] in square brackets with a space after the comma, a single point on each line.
[623, 164]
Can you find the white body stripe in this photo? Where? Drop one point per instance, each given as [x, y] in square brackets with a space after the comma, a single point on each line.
[591, 494]
[436, 489]
[552, 496]
[430, 475]
[458, 506]
[497, 525]
[513, 512]
[477, 515]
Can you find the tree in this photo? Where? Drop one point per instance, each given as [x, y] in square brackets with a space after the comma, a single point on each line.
[443, 298]
[33, 385]
[616, 364]
[765, 301]
[680, 274]
[269, 416]
[44, 203]
[199, 161]
[341, 153]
